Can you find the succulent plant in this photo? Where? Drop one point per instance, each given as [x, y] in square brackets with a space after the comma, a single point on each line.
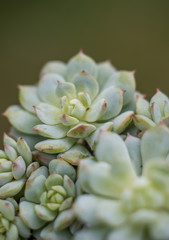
[81, 165]
[11, 226]
[149, 114]
[69, 101]
[127, 188]
[48, 197]
[15, 166]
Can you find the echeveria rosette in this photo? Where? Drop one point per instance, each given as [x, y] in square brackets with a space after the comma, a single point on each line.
[149, 114]
[15, 166]
[11, 226]
[124, 201]
[70, 100]
[49, 194]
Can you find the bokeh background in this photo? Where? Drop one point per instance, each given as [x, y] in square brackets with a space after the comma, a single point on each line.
[132, 34]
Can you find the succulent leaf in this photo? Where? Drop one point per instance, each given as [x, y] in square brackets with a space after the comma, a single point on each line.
[80, 63]
[62, 168]
[28, 97]
[56, 145]
[121, 122]
[114, 99]
[28, 215]
[47, 88]
[23, 121]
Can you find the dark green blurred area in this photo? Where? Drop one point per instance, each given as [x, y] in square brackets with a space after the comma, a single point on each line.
[132, 34]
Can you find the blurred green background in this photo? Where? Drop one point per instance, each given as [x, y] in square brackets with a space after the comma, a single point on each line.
[132, 34]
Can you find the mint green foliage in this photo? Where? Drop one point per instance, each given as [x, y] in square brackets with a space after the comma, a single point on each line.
[82, 165]
[127, 188]
[49, 194]
[149, 114]
[15, 166]
[11, 226]
[69, 102]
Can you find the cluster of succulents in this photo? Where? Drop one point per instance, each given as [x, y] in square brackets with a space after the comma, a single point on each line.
[87, 157]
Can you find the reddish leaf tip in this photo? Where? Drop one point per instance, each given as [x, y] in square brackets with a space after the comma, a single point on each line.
[81, 51]
[133, 72]
[4, 114]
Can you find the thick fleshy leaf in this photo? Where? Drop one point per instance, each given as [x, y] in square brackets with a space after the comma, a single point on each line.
[40, 171]
[64, 220]
[30, 139]
[28, 215]
[5, 178]
[143, 107]
[142, 122]
[31, 168]
[47, 113]
[10, 152]
[20, 119]
[56, 67]
[155, 143]
[95, 210]
[14, 203]
[91, 233]
[105, 70]
[84, 82]
[18, 168]
[114, 99]
[44, 213]
[84, 98]
[81, 130]
[67, 120]
[166, 109]
[103, 179]
[7, 209]
[66, 89]
[5, 165]
[9, 141]
[34, 188]
[112, 149]
[28, 97]
[134, 148]
[66, 204]
[55, 146]
[3, 155]
[78, 63]
[127, 233]
[74, 154]
[47, 88]
[12, 188]
[69, 186]
[159, 98]
[48, 233]
[78, 110]
[43, 158]
[156, 112]
[54, 180]
[124, 80]
[23, 230]
[94, 137]
[57, 131]
[62, 167]
[157, 172]
[24, 150]
[12, 233]
[96, 110]
[121, 122]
